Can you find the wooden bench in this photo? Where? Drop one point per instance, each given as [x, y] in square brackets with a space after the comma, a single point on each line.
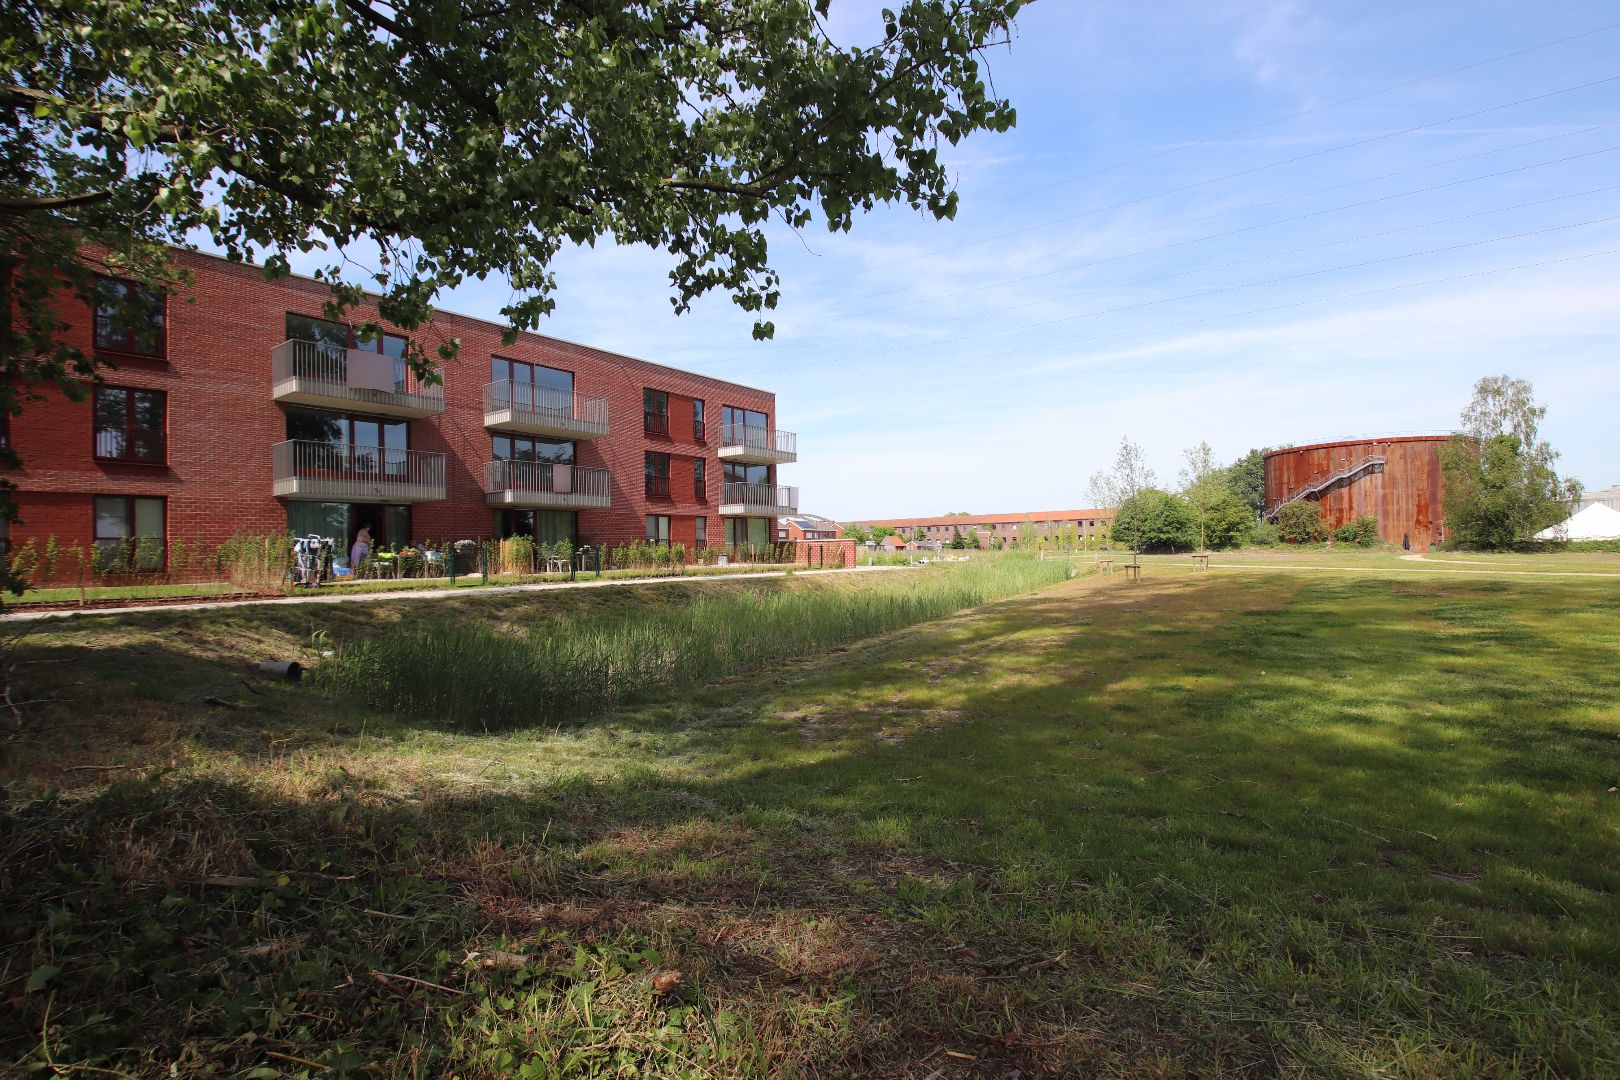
[1200, 562]
[1107, 565]
[1133, 571]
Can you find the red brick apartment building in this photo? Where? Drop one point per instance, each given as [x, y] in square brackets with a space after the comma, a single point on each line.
[241, 410]
[1089, 525]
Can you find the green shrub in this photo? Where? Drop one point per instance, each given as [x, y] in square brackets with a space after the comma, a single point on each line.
[1301, 522]
[1361, 531]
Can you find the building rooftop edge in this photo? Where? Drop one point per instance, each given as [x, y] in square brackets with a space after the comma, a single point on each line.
[490, 322]
[1382, 440]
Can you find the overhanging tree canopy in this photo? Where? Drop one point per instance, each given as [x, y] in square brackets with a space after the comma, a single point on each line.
[467, 138]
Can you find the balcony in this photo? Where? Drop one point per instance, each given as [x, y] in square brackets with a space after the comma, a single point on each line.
[757, 445]
[328, 377]
[335, 472]
[545, 486]
[541, 410]
[758, 500]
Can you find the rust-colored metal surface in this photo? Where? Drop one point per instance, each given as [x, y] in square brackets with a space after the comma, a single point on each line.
[1404, 493]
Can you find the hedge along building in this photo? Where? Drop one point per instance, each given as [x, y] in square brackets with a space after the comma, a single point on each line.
[238, 408]
[1396, 480]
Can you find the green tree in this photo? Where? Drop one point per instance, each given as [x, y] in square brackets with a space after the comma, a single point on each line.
[1227, 521]
[1300, 522]
[1157, 520]
[1501, 483]
[1113, 487]
[1246, 478]
[856, 533]
[438, 140]
[878, 532]
[1026, 535]
[1202, 487]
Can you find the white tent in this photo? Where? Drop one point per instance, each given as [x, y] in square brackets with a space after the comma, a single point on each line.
[1596, 522]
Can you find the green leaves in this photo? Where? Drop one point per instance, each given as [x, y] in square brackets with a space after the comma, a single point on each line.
[41, 978]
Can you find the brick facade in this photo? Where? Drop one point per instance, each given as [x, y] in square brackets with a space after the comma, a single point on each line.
[222, 421]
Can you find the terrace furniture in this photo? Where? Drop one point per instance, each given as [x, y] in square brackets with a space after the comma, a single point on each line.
[1200, 561]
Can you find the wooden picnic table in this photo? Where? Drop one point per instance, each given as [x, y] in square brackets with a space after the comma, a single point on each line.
[1133, 571]
[1107, 565]
[1200, 560]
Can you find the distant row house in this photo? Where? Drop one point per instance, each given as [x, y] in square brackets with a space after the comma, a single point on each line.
[1087, 527]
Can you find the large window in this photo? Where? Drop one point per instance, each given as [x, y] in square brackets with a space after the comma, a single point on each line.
[390, 525]
[700, 479]
[748, 531]
[737, 473]
[737, 420]
[656, 467]
[359, 443]
[130, 425]
[542, 526]
[658, 528]
[333, 337]
[130, 319]
[698, 429]
[128, 533]
[524, 448]
[532, 386]
[655, 412]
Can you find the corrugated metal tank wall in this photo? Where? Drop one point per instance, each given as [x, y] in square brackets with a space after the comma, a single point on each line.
[1404, 495]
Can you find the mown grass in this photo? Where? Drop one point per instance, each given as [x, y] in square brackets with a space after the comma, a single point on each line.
[1210, 825]
[473, 676]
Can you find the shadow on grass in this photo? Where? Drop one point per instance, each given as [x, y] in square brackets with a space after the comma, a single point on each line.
[1216, 828]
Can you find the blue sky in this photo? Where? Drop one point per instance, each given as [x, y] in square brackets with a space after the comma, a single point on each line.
[1121, 265]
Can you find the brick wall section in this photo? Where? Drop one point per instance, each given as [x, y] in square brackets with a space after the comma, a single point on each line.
[223, 421]
[829, 553]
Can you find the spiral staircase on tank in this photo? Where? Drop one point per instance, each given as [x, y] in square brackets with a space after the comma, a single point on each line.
[1370, 463]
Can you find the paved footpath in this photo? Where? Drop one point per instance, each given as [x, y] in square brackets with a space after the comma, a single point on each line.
[421, 594]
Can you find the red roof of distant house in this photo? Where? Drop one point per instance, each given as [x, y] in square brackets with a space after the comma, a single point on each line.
[987, 519]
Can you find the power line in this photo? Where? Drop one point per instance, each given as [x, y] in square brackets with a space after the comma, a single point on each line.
[1190, 296]
[1279, 120]
[980, 285]
[1214, 180]
[1278, 307]
[1225, 213]
[1216, 236]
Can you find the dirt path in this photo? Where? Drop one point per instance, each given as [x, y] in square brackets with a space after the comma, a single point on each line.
[1415, 570]
[415, 594]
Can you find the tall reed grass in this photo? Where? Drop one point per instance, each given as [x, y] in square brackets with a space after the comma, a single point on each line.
[473, 677]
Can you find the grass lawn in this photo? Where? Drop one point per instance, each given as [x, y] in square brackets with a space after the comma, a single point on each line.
[1234, 823]
[102, 594]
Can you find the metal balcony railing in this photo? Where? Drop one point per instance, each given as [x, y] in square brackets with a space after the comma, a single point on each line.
[757, 443]
[545, 484]
[315, 373]
[759, 499]
[306, 469]
[658, 487]
[544, 410]
[655, 423]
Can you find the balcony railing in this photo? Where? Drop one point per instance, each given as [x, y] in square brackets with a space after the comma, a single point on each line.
[339, 472]
[331, 377]
[699, 431]
[655, 423]
[542, 410]
[758, 444]
[758, 500]
[545, 485]
[658, 487]
[131, 446]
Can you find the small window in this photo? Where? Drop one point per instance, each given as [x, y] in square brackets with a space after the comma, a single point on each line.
[700, 480]
[698, 429]
[130, 425]
[655, 412]
[656, 468]
[700, 527]
[130, 318]
[658, 528]
[128, 533]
